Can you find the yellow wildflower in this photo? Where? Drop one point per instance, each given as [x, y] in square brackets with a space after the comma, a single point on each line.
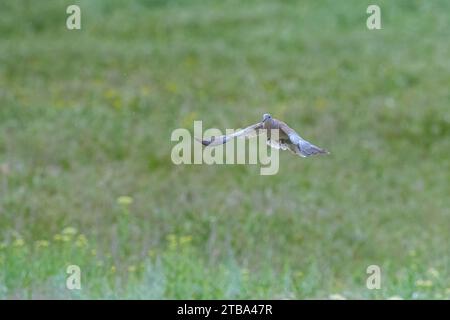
[81, 241]
[145, 90]
[189, 119]
[19, 242]
[185, 240]
[172, 241]
[69, 231]
[117, 103]
[124, 200]
[171, 87]
[424, 283]
[111, 94]
[42, 243]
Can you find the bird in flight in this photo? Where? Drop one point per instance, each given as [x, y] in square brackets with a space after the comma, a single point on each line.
[287, 139]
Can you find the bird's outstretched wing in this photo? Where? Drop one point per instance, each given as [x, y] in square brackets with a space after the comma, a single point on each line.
[248, 132]
[298, 145]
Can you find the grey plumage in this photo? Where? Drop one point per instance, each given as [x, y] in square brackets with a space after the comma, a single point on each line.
[288, 138]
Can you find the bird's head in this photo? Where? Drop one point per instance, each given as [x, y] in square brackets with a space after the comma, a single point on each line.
[266, 116]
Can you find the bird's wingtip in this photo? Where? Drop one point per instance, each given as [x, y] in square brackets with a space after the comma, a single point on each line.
[203, 142]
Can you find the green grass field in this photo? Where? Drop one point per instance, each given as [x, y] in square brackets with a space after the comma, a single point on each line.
[86, 117]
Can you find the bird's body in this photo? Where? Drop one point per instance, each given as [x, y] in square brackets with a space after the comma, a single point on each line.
[287, 138]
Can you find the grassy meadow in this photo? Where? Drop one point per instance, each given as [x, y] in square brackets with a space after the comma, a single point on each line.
[86, 176]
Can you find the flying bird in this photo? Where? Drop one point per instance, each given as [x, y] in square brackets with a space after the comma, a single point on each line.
[287, 139]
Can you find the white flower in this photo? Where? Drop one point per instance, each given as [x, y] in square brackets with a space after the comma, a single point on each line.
[395, 298]
[433, 272]
[337, 296]
[424, 283]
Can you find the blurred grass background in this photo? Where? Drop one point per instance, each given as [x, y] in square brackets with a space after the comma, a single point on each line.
[86, 118]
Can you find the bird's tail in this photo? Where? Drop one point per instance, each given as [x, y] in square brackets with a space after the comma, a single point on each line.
[307, 149]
